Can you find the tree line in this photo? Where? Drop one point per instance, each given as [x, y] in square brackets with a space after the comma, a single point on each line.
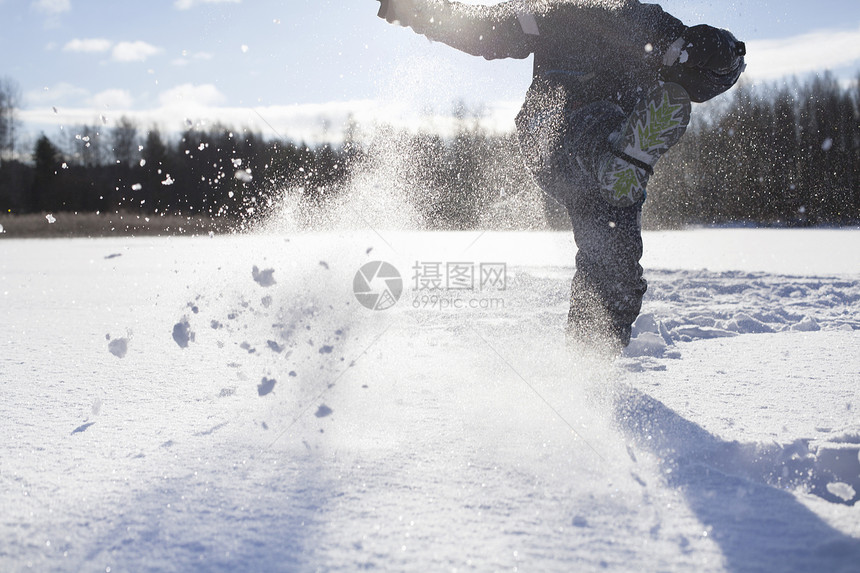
[786, 155]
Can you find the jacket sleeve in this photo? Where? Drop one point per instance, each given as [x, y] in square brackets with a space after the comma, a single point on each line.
[666, 28]
[505, 30]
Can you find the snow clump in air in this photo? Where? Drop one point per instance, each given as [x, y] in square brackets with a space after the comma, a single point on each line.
[841, 490]
[118, 347]
[265, 386]
[182, 333]
[263, 278]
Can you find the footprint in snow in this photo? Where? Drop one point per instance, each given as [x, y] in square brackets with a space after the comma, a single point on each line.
[82, 428]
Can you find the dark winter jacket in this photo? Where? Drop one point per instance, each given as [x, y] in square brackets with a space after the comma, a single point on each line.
[600, 50]
[597, 50]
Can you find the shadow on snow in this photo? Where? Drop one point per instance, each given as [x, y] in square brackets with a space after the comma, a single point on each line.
[734, 489]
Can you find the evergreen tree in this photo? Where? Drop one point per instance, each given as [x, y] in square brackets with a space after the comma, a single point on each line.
[44, 194]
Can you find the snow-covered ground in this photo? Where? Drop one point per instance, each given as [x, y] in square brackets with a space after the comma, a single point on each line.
[226, 404]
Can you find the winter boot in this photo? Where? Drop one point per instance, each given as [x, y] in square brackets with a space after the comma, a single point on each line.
[657, 123]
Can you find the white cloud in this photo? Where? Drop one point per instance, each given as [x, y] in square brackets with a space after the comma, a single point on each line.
[311, 123]
[192, 96]
[811, 52]
[114, 99]
[188, 4]
[186, 59]
[55, 95]
[52, 7]
[134, 51]
[204, 105]
[121, 52]
[89, 45]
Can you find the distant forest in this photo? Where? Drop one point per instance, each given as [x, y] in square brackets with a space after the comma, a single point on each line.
[785, 155]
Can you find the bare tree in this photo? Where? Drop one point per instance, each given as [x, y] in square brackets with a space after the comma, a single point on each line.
[10, 99]
[86, 146]
[124, 141]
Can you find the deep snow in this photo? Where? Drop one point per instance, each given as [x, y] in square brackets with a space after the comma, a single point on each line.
[227, 404]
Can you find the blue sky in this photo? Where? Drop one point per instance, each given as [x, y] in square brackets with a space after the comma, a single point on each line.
[300, 67]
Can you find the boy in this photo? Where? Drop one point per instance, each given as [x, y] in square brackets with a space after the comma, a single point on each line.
[610, 94]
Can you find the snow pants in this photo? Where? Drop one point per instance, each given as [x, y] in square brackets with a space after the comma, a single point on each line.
[562, 145]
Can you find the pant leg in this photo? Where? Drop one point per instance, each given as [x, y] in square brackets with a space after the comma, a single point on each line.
[607, 288]
[562, 141]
